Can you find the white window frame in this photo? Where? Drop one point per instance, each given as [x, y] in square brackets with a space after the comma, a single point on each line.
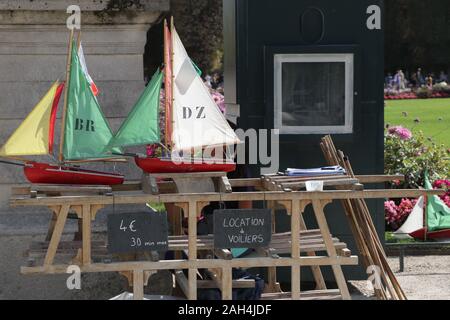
[347, 58]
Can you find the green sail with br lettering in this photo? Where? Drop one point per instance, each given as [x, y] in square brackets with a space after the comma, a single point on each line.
[87, 132]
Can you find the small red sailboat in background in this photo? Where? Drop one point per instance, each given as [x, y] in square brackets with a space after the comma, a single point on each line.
[196, 132]
[429, 219]
[84, 131]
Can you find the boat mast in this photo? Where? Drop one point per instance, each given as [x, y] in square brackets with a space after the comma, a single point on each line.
[173, 78]
[166, 74]
[78, 41]
[66, 95]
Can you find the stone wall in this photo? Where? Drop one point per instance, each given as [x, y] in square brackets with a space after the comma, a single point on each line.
[33, 49]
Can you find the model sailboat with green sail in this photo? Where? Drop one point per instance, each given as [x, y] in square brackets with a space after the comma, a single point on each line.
[196, 132]
[84, 131]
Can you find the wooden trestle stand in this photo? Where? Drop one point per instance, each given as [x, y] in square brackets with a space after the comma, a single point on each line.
[307, 248]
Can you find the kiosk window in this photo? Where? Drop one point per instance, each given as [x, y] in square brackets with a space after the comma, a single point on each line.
[313, 93]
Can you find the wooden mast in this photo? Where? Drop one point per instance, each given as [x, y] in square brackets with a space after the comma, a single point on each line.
[173, 78]
[166, 74]
[66, 95]
[78, 40]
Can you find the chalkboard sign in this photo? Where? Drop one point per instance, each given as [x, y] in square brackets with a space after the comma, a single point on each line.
[137, 232]
[242, 228]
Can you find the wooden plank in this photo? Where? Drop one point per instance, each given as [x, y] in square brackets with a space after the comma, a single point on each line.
[227, 285]
[295, 248]
[235, 196]
[317, 273]
[24, 189]
[326, 183]
[52, 223]
[331, 250]
[199, 264]
[189, 175]
[138, 285]
[36, 245]
[330, 294]
[71, 189]
[279, 179]
[86, 225]
[309, 248]
[379, 178]
[345, 252]
[192, 234]
[56, 235]
[127, 186]
[21, 190]
[249, 182]
[237, 284]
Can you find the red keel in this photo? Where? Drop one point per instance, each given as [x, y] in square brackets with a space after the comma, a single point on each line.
[157, 165]
[434, 235]
[52, 174]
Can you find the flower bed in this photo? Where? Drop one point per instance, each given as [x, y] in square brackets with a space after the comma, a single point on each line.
[443, 184]
[439, 90]
[413, 95]
[411, 156]
[396, 214]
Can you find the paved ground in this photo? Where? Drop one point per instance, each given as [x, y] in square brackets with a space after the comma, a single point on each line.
[14, 285]
[424, 278]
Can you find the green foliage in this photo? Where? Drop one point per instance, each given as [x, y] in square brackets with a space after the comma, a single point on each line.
[200, 26]
[416, 33]
[413, 157]
[390, 238]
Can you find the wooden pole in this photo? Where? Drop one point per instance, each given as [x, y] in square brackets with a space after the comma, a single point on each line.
[364, 230]
[66, 95]
[172, 28]
[167, 66]
[79, 40]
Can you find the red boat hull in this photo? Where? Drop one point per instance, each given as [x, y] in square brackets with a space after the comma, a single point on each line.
[434, 235]
[52, 174]
[157, 165]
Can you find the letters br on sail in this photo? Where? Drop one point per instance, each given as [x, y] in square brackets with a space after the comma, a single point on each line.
[242, 228]
[137, 232]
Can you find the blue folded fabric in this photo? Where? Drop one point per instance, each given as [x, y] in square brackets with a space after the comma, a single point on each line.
[315, 171]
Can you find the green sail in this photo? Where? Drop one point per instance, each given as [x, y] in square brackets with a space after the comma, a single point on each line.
[438, 214]
[86, 130]
[142, 124]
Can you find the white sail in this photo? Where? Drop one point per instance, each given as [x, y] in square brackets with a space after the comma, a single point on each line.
[413, 223]
[197, 120]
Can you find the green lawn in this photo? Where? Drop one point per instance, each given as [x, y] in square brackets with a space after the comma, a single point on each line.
[433, 114]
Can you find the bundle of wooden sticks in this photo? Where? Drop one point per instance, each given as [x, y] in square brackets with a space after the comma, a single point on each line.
[371, 250]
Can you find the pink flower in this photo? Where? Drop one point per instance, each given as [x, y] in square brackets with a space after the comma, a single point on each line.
[151, 148]
[443, 184]
[219, 100]
[400, 132]
[396, 215]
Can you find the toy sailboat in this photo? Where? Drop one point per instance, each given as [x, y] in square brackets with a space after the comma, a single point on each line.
[197, 134]
[428, 220]
[84, 131]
